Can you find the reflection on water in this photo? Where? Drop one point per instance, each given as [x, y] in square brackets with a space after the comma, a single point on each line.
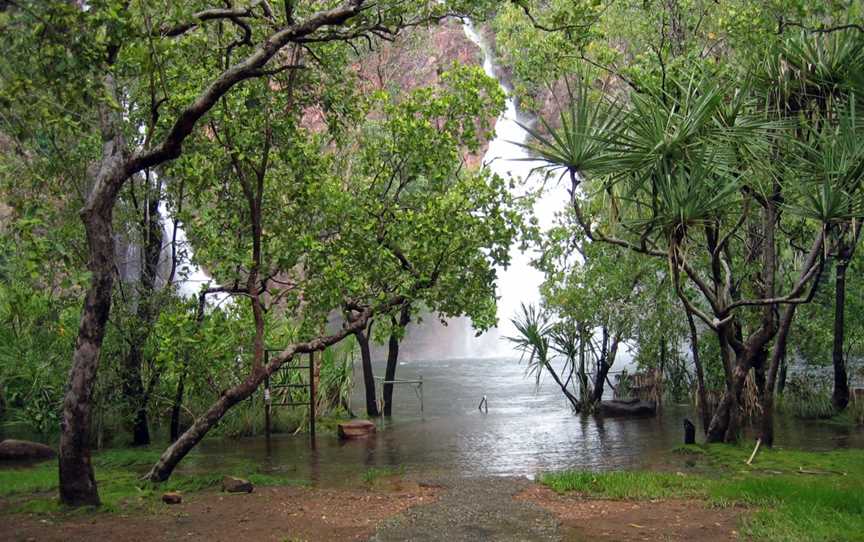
[526, 431]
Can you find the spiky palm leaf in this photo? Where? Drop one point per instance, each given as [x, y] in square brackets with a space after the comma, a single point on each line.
[532, 325]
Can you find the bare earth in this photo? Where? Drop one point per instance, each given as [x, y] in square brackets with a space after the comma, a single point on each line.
[267, 514]
[502, 509]
[604, 520]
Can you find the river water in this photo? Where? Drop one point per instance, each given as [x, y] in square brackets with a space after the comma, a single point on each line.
[526, 431]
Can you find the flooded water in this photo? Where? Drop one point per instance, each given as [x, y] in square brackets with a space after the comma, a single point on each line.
[526, 431]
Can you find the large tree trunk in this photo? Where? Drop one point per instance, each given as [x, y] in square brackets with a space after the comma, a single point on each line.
[77, 482]
[726, 421]
[393, 359]
[840, 395]
[704, 411]
[368, 375]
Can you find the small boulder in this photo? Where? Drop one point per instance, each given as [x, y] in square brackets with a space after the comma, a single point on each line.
[18, 450]
[356, 429]
[236, 485]
[172, 497]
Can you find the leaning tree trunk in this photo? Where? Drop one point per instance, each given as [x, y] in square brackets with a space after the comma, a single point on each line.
[368, 375]
[574, 401]
[172, 456]
[840, 395]
[162, 470]
[393, 359]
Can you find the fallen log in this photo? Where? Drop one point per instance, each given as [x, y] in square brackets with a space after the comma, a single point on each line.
[632, 407]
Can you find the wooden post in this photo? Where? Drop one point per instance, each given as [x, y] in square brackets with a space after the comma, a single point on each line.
[312, 397]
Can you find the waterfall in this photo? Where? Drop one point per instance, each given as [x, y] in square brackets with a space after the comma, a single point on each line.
[189, 277]
[519, 282]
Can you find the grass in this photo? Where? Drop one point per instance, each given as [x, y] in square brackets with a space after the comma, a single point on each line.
[794, 495]
[374, 474]
[118, 474]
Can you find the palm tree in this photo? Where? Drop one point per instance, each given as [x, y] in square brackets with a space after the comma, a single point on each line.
[533, 341]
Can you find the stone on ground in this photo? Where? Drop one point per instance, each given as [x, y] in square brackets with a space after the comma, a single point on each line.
[172, 497]
[16, 450]
[231, 484]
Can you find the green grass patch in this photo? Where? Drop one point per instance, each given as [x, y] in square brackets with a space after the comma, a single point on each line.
[372, 475]
[792, 495]
[636, 485]
[118, 474]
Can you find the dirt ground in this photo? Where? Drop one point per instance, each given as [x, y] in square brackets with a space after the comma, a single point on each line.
[667, 520]
[272, 514]
[395, 509]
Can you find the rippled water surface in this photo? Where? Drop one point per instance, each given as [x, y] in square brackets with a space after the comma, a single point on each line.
[525, 432]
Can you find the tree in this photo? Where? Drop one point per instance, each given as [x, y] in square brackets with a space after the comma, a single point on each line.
[129, 57]
[366, 243]
[680, 170]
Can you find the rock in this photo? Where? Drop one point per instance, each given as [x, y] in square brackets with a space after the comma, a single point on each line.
[172, 497]
[236, 485]
[633, 407]
[11, 449]
[356, 429]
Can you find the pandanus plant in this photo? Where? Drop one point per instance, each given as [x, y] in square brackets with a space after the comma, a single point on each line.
[701, 172]
[534, 339]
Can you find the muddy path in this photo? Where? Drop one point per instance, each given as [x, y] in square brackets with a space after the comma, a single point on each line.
[474, 509]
